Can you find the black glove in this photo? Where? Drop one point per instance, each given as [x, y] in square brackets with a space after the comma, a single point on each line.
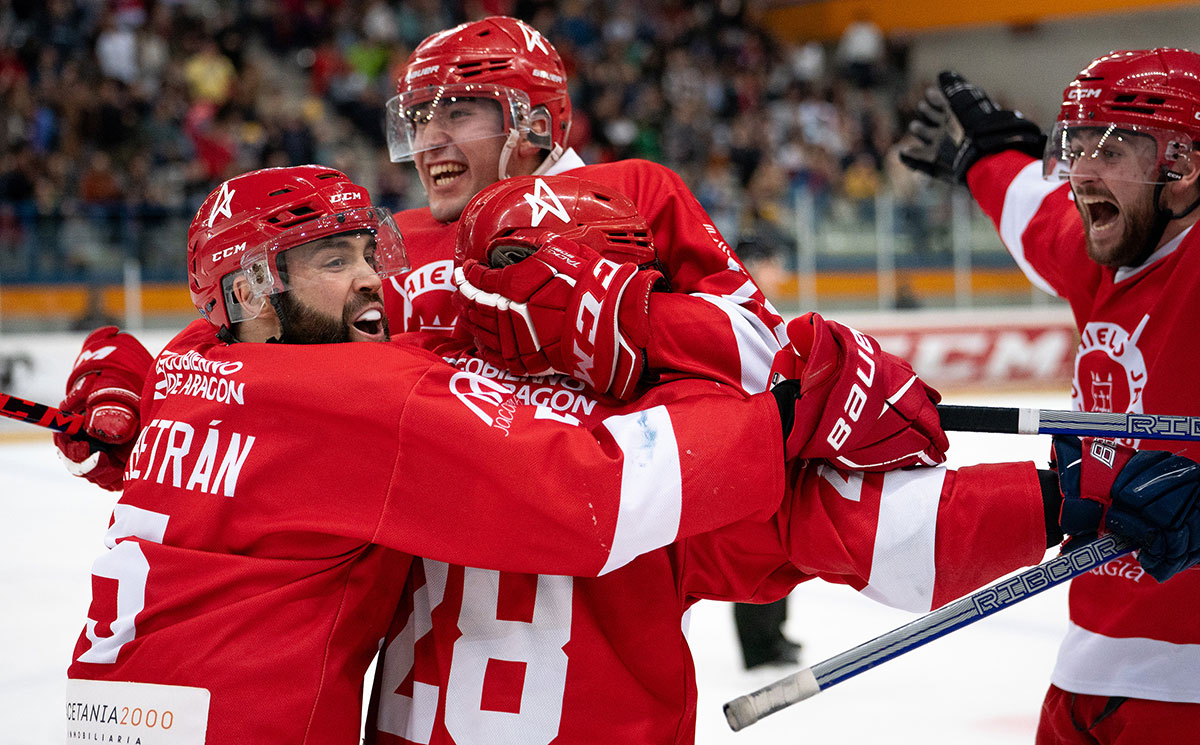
[1150, 496]
[957, 124]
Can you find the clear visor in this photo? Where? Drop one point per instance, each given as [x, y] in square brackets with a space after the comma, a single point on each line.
[437, 116]
[1119, 152]
[350, 244]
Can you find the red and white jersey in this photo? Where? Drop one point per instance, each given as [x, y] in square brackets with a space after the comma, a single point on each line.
[483, 656]
[1129, 635]
[277, 493]
[716, 322]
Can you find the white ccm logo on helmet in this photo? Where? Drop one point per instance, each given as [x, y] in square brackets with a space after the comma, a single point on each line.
[544, 201]
[344, 196]
[231, 251]
[1082, 93]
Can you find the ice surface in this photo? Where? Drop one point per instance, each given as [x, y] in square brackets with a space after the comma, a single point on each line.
[981, 685]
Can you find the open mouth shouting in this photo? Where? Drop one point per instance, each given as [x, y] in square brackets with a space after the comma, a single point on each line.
[370, 324]
[1101, 213]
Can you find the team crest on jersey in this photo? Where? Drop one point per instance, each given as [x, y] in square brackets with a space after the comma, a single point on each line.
[431, 312]
[544, 201]
[1110, 370]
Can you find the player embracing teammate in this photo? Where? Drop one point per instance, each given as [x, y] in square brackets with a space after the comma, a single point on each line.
[497, 655]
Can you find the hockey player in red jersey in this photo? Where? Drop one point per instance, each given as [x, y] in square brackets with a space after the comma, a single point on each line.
[277, 491]
[505, 66]
[492, 670]
[506, 657]
[1104, 216]
[488, 100]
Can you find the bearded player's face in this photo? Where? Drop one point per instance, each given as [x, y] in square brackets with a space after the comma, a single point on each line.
[1112, 179]
[335, 292]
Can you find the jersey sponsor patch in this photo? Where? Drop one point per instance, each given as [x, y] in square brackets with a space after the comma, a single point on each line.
[146, 713]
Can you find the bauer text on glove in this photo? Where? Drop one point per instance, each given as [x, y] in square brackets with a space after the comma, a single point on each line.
[844, 399]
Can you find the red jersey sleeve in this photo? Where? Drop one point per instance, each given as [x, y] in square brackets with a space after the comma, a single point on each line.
[389, 445]
[1038, 223]
[913, 539]
[640, 479]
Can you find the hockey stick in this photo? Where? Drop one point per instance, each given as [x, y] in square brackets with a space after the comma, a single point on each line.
[1082, 423]
[40, 414]
[746, 710]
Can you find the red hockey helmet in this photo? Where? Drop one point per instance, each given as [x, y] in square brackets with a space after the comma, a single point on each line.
[497, 58]
[502, 222]
[243, 226]
[1131, 97]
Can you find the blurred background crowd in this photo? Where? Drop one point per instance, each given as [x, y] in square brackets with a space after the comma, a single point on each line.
[119, 116]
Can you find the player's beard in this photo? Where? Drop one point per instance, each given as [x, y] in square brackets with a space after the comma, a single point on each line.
[1132, 247]
[304, 325]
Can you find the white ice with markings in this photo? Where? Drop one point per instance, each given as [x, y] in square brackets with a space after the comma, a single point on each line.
[981, 685]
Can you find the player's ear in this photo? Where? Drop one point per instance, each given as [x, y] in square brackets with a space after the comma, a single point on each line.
[252, 306]
[1184, 192]
[261, 322]
[1191, 169]
[539, 132]
[526, 150]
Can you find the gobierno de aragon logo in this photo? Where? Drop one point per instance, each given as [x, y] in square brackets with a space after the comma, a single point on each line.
[192, 374]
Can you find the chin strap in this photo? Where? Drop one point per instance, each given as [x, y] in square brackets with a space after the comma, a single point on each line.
[510, 145]
[1186, 212]
[549, 161]
[282, 315]
[1163, 217]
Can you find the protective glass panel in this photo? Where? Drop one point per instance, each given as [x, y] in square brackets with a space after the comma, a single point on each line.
[436, 116]
[1114, 151]
[364, 240]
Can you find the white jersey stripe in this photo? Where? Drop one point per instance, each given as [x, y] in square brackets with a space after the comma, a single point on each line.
[651, 485]
[902, 566]
[756, 344]
[1136, 667]
[1022, 200]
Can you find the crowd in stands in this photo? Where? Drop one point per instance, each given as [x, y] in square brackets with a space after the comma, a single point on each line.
[119, 116]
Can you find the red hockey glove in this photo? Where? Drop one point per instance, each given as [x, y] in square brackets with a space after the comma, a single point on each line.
[106, 388]
[1150, 496]
[563, 309]
[844, 399]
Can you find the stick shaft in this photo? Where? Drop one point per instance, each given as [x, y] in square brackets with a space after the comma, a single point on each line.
[40, 414]
[1081, 423]
[746, 710]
